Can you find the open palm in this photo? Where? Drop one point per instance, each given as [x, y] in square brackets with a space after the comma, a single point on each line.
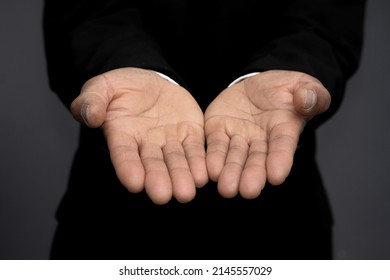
[253, 127]
[154, 131]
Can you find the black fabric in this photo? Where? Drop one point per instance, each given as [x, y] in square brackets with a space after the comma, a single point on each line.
[203, 45]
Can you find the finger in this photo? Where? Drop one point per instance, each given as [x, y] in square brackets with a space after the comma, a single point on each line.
[282, 145]
[229, 179]
[125, 158]
[311, 100]
[90, 106]
[196, 156]
[183, 184]
[158, 184]
[217, 149]
[254, 175]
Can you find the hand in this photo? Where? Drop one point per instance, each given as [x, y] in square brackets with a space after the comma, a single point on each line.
[253, 127]
[154, 131]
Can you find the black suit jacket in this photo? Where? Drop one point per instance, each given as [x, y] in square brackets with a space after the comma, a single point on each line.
[203, 45]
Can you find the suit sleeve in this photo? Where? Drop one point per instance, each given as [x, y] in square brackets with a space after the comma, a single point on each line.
[322, 38]
[85, 38]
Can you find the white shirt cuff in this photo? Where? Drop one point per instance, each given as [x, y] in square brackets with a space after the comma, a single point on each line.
[232, 83]
[243, 78]
[166, 77]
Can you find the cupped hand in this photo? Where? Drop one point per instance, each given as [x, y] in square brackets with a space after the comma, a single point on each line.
[252, 129]
[154, 131]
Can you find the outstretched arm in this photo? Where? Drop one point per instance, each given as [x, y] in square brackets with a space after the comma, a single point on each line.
[253, 127]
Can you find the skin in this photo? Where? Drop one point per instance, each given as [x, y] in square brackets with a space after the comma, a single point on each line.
[156, 132]
[253, 127]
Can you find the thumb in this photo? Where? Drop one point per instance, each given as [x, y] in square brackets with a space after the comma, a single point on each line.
[311, 100]
[90, 107]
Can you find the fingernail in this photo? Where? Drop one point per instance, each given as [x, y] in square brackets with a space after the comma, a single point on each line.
[311, 99]
[84, 113]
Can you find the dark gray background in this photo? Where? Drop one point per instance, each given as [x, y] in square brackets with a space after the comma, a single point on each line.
[38, 138]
